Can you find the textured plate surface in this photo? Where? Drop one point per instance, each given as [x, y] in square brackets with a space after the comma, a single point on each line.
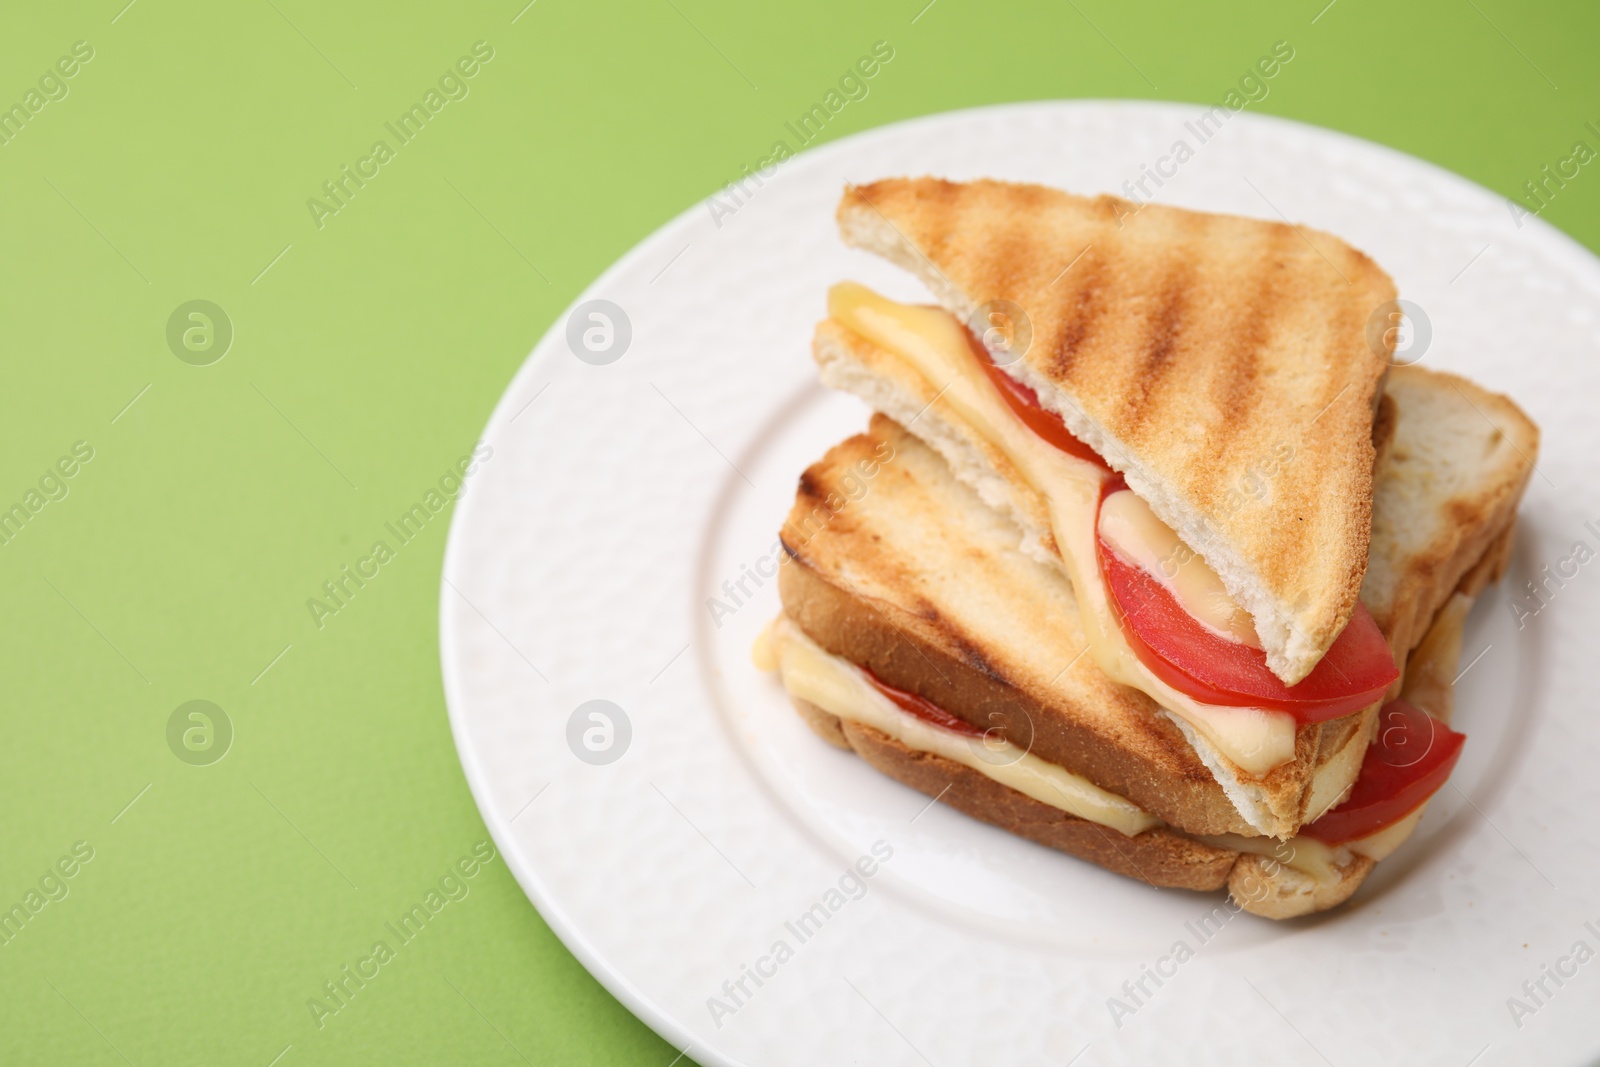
[620, 548]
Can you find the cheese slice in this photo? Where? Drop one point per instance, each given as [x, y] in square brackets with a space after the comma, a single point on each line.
[843, 689]
[931, 342]
[1134, 533]
[1320, 860]
[1382, 844]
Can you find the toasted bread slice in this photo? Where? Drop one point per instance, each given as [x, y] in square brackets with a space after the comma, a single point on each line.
[1458, 443]
[1425, 549]
[1188, 349]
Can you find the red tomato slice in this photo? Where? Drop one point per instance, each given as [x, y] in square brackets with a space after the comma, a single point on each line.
[924, 709]
[1202, 664]
[1406, 764]
[1025, 403]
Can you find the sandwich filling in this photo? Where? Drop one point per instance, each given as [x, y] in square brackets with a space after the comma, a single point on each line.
[841, 688]
[1097, 524]
[845, 690]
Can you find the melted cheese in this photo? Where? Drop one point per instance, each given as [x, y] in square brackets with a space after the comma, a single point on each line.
[1382, 844]
[840, 688]
[1132, 530]
[1321, 861]
[932, 343]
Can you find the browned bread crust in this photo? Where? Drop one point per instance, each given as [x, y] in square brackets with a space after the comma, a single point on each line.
[1269, 889]
[824, 724]
[1384, 423]
[1492, 567]
[1159, 856]
[1156, 857]
[1186, 348]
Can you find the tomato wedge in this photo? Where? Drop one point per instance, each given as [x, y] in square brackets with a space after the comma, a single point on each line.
[1202, 664]
[924, 709]
[1406, 764]
[1025, 403]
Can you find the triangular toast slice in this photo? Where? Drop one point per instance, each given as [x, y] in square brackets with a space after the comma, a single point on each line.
[1459, 443]
[1186, 348]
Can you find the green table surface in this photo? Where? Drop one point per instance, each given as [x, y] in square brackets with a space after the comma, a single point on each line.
[208, 901]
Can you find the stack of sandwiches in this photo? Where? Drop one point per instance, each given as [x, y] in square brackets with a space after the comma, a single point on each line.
[1151, 553]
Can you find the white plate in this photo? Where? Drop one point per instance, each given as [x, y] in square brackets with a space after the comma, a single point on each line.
[621, 496]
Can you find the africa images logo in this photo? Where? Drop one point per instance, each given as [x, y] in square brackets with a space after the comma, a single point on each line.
[339, 591]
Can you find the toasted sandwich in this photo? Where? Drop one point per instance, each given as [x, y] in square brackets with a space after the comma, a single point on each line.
[917, 632]
[1195, 395]
[1183, 424]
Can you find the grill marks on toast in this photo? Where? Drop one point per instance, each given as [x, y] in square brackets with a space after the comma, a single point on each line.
[1003, 255]
[1083, 305]
[876, 565]
[1164, 337]
[966, 648]
[1192, 345]
[1235, 385]
[972, 655]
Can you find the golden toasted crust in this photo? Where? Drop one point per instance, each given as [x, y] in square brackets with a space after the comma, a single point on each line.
[1469, 454]
[1492, 567]
[1384, 422]
[1189, 349]
[1269, 889]
[1156, 857]
[1160, 856]
[825, 725]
